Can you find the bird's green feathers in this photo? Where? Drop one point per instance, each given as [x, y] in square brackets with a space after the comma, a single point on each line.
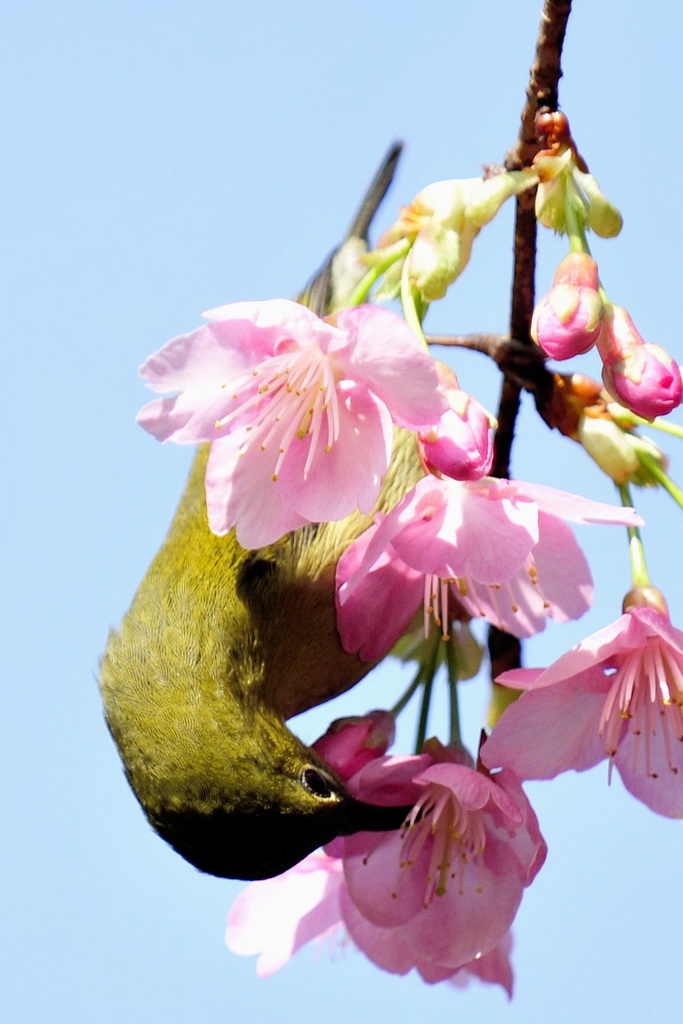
[219, 647]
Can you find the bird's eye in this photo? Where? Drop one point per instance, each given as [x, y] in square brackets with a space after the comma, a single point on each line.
[316, 784]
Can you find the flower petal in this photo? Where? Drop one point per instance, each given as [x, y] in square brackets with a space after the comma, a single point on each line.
[280, 320]
[458, 529]
[661, 787]
[549, 731]
[386, 947]
[240, 492]
[471, 917]
[349, 475]
[576, 508]
[599, 648]
[387, 356]
[277, 916]
[373, 616]
[207, 356]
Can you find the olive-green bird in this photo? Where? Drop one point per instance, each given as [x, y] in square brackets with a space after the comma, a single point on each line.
[219, 647]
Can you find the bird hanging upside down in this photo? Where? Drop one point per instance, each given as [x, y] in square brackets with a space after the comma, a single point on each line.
[220, 646]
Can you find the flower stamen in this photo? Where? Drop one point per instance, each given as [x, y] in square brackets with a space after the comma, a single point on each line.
[647, 692]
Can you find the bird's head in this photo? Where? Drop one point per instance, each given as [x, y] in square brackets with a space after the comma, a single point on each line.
[266, 807]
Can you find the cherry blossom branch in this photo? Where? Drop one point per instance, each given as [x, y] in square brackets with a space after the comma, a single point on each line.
[520, 362]
[542, 93]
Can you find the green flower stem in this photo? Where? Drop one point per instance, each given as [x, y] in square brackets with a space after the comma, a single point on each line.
[428, 673]
[409, 693]
[576, 228]
[630, 418]
[453, 676]
[361, 291]
[639, 573]
[653, 467]
[409, 307]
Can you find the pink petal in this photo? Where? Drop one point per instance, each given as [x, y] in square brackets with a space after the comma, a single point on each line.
[240, 492]
[174, 419]
[576, 508]
[386, 947]
[279, 320]
[561, 589]
[477, 534]
[379, 884]
[393, 363]
[527, 843]
[277, 916]
[494, 967]
[496, 536]
[351, 743]
[200, 365]
[471, 789]
[469, 919]
[662, 793]
[597, 649]
[349, 475]
[371, 551]
[207, 356]
[373, 616]
[549, 731]
[516, 606]
[657, 624]
[520, 678]
[389, 780]
[564, 576]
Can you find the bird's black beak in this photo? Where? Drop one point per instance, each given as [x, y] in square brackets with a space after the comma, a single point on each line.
[364, 817]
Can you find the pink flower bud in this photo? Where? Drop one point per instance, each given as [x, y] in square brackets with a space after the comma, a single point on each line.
[640, 375]
[567, 320]
[351, 743]
[461, 444]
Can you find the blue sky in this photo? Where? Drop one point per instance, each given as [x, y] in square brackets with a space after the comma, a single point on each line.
[161, 159]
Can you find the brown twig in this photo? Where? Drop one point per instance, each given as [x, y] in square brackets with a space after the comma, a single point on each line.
[521, 363]
[542, 94]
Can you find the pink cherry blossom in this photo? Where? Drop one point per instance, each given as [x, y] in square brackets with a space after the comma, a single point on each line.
[450, 882]
[310, 901]
[638, 374]
[618, 694]
[300, 410]
[499, 546]
[566, 321]
[276, 917]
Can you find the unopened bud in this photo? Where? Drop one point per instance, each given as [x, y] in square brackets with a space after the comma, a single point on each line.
[566, 321]
[609, 446]
[603, 217]
[351, 743]
[460, 445]
[640, 375]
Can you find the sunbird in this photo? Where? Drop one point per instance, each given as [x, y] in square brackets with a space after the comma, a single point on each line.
[220, 646]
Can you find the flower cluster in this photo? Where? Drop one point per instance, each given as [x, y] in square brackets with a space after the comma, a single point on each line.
[576, 313]
[303, 416]
[438, 896]
[439, 227]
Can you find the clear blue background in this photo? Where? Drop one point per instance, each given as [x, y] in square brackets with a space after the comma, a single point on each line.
[161, 158]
